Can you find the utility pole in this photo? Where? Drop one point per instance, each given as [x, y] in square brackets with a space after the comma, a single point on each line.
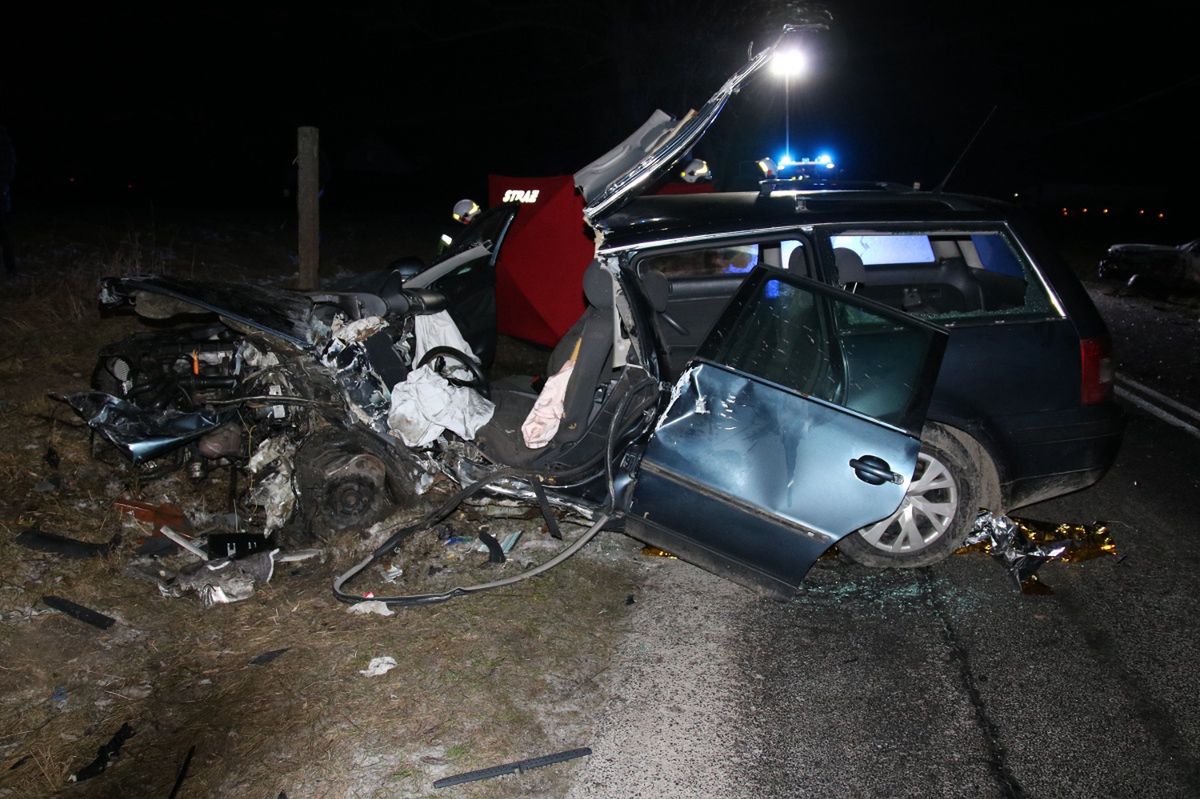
[308, 206]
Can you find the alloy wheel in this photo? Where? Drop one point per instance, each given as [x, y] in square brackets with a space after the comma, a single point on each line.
[925, 513]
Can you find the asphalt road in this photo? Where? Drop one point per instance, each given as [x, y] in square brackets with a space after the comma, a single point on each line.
[934, 682]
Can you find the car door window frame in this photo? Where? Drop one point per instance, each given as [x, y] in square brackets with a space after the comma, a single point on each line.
[924, 377]
[634, 258]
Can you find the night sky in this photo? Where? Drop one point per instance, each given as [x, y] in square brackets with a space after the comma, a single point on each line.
[419, 100]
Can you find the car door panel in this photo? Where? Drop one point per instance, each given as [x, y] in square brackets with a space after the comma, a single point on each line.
[695, 304]
[769, 453]
[753, 448]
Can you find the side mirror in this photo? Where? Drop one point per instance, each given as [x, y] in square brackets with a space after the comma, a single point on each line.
[409, 267]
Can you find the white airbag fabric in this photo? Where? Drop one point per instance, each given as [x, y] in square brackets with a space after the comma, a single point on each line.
[425, 404]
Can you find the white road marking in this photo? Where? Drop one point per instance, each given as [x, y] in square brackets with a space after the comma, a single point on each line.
[1179, 407]
[1156, 411]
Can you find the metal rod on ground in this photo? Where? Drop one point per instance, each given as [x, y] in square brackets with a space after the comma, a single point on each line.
[308, 206]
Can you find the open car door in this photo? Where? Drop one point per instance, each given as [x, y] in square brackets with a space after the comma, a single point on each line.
[797, 423]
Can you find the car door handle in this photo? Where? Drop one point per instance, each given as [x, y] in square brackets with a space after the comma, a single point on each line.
[874, 470]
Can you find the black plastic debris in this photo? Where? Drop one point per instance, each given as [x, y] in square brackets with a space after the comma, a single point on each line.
[495, 551]
[86, 615]
[222, 581]
[183, 770]
[267, 657]
[104, 755]
[34, 538]
[140, 433]
[49, 485]
[512, 768]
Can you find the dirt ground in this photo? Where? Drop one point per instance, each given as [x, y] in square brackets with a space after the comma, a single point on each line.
[265, 697]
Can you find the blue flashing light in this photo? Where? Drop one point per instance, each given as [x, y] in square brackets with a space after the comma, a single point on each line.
[801, 168]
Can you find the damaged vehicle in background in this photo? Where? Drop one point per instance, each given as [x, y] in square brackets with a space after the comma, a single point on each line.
[746, 386]
[1153, 267]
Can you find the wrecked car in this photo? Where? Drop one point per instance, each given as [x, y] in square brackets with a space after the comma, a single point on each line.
[747, 384]
[1153, 267]
[796, 423]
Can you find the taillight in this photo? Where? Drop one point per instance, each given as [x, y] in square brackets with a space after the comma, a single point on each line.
[1095, 370]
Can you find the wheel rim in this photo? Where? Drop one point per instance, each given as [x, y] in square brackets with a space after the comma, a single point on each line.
[924, 514]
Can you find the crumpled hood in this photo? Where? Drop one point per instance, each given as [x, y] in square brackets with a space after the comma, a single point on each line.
[281, 312]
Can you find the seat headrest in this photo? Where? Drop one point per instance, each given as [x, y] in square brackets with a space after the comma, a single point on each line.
[797, 262]
[657, 289]
[849, 266]
[597, 286]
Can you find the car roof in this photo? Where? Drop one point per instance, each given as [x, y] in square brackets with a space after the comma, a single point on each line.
[653, 218]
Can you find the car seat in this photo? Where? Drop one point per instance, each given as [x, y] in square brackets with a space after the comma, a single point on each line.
[851, 274]
[501, 440]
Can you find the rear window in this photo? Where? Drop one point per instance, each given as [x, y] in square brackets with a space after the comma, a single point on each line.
[944, 275]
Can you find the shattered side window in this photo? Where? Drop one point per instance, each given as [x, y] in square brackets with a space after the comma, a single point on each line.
[821, 344]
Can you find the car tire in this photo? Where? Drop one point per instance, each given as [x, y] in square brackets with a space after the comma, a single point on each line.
[935, 516]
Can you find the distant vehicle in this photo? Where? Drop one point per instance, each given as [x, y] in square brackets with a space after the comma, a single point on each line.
[1153, 267]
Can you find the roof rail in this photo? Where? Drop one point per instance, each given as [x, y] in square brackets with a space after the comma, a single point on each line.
[803, 183]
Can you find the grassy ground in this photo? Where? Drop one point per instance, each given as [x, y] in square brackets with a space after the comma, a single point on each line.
[479, 681]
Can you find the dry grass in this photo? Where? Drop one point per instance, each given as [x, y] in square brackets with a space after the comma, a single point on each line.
[480, 681]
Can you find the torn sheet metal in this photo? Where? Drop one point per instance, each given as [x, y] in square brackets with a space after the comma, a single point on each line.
[255, 358]
[357, 330]
[140, 433]
[1023, 545]
[276, 497]
[426, 403]
[225, 580]
[270, 451]
[686, 379]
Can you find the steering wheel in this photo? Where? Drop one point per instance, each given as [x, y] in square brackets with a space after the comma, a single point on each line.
[477, 381]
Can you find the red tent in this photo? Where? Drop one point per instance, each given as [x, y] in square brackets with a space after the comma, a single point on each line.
[539, 272]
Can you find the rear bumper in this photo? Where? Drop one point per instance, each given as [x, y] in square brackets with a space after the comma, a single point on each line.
[1057, 453]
